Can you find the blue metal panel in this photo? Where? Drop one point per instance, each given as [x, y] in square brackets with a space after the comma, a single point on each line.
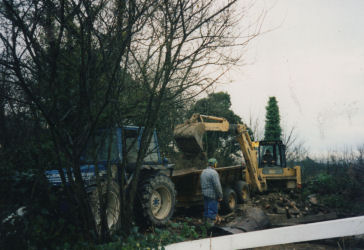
[87, 173]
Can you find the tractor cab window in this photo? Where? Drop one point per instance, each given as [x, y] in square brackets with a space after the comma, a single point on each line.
[152, 153]
[269, 155]
[132, 144]
[98, 149]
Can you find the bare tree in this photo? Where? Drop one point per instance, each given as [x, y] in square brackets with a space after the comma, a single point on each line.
[295, 147]
[77, 62]
[172, 56]
[360, 157]
[65, 57]
[254, 124]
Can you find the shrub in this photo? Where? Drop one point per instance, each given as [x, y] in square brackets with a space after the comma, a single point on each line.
[154, 240]
[339, 192]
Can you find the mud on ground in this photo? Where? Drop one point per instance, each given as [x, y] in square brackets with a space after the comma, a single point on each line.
[282, 209]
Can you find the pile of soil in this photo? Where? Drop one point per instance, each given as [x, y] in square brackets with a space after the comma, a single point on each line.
[291, 204]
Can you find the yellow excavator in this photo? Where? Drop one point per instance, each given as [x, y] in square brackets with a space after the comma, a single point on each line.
[265, 160]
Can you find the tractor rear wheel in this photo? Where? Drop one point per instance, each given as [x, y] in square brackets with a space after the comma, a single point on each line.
[157, 200]
[229, 200]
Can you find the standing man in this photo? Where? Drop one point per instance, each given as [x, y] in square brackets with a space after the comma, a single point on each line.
[211, 190]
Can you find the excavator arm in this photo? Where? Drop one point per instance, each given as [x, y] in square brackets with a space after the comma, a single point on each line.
[189, 136]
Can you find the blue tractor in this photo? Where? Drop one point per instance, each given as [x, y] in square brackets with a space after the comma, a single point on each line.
[156, 196]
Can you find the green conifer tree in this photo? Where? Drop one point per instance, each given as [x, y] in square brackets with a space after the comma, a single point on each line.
[273, 129]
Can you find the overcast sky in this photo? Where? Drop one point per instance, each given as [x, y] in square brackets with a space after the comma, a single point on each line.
[313, 63]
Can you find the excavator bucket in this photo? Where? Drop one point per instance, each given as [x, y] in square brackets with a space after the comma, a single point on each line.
[188, 137]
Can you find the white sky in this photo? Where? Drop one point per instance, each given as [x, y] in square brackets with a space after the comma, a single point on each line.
[313, 62]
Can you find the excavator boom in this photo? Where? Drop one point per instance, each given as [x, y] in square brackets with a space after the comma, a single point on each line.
[259, 171]
[189, 136]
[250, 156]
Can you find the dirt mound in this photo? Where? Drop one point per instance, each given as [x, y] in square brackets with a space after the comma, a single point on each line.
[287, 209]
[197, 161]
[292, 204]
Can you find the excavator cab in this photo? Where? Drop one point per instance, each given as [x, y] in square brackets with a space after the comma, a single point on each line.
[272, 165]
[271, 154]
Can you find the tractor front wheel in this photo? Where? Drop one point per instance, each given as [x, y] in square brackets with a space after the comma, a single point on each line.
[157, 199]
[112, 204]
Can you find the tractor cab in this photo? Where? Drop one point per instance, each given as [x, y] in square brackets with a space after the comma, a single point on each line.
[107, 146]
[271, 156]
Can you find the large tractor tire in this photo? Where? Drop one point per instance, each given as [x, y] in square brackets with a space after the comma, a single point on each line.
[229, 200]
[113, 205]
[157, 200]
[242, 190]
